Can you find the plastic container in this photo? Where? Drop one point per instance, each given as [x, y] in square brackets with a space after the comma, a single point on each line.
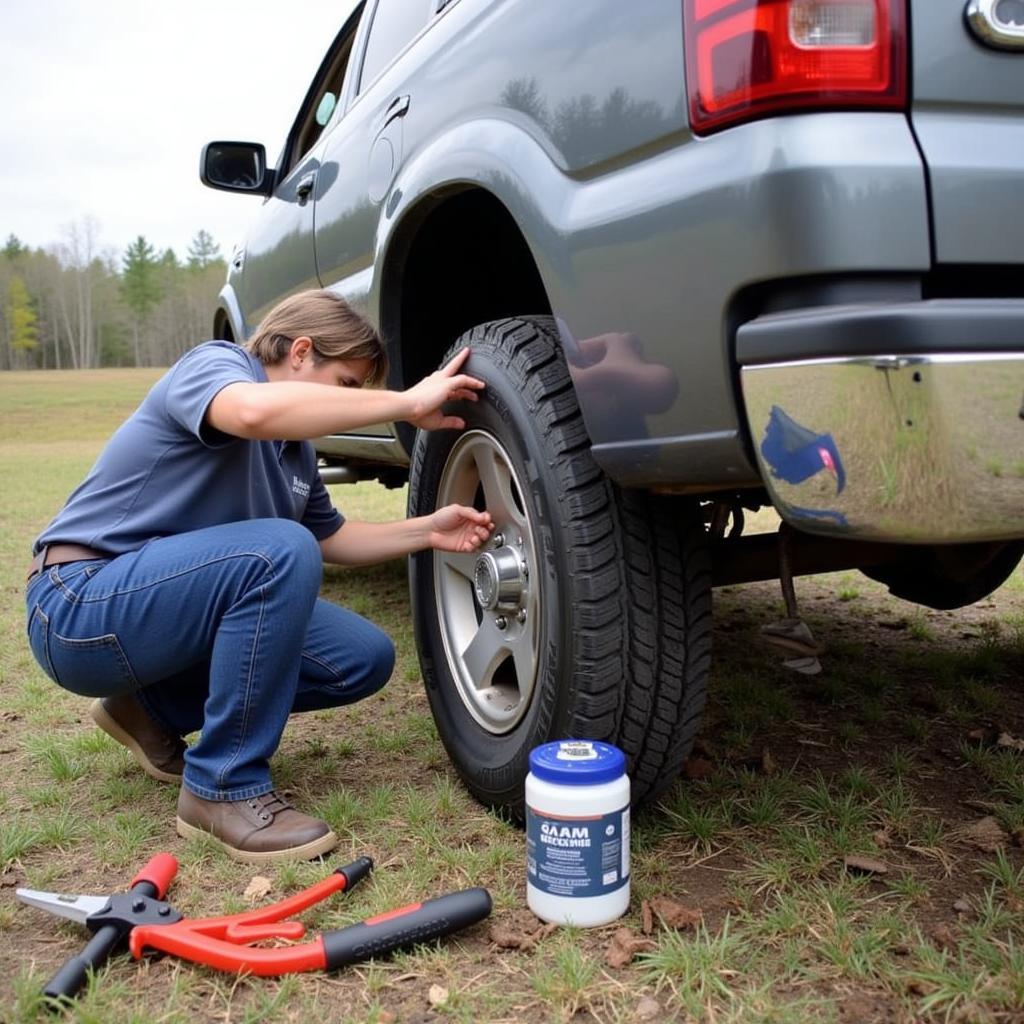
[577, 833]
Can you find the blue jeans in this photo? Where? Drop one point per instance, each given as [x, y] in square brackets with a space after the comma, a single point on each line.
[219, 630]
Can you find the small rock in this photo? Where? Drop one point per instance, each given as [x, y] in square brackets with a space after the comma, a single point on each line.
[868, 865]
[901, 949]
[882, 839]
[767, 762]
[920, 987]
[437, 996]
[962, 906]
[257, 888]
[387, 1017]
[624, 946]
[893, 623]
[647, 1009]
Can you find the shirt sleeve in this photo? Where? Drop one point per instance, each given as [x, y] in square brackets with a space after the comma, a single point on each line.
[321, 518]
[195, 381]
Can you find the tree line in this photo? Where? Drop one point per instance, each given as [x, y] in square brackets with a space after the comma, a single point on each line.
[76, 305]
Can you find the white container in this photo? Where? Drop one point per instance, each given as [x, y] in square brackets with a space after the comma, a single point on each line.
[577, 833]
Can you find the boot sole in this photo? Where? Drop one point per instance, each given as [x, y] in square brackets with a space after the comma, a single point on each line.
[114, 731]
[307, 851]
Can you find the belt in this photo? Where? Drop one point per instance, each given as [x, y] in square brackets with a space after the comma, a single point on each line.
[58, 554]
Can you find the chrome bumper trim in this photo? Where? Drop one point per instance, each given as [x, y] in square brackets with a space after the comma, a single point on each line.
[909, 449]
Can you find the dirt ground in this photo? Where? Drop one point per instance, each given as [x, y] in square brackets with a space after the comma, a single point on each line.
[897, 682]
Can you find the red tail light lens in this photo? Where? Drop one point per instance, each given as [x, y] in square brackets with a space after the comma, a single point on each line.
[750, 58]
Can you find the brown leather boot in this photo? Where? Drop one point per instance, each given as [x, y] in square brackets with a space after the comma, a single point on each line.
[160, 753]
[260, 829]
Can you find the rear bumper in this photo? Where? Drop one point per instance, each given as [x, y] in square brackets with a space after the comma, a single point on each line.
[900, 423]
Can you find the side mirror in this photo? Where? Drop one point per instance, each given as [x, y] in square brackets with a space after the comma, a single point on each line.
[235, 167]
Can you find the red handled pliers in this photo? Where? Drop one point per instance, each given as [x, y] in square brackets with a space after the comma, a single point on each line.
[141, 917]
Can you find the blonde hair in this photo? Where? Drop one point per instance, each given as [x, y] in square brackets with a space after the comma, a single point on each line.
[335, 328]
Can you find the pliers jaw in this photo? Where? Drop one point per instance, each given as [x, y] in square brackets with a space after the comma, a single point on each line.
[74, 908]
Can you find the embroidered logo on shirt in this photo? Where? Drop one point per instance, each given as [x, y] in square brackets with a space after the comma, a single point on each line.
[300, 487]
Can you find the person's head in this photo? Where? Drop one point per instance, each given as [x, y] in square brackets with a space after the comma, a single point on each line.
[316, 335]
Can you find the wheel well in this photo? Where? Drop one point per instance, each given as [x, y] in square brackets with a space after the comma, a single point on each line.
[462, 262]
[222, 326]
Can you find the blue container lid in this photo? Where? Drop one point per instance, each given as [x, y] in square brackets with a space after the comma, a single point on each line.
[577, 762]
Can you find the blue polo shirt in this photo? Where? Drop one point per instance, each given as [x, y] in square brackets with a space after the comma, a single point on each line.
[165, 472]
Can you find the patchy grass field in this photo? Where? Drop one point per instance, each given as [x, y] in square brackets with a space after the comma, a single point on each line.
[891, 756]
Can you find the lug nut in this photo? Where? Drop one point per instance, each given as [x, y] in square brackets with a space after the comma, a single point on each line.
[499, 540]
[521, 615]
[524, 568]
[501, 622]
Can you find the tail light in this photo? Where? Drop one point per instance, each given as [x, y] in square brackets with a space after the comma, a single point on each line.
[750, 58]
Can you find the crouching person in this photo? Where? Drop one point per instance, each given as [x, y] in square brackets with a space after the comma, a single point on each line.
[179, 583]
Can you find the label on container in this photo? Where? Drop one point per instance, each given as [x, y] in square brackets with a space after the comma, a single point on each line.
[577, 856]
[576, 750]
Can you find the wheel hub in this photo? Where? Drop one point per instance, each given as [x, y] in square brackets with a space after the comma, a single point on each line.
[488, 603]
[498, 580]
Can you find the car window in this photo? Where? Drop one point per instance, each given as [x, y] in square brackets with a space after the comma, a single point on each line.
[322, 99]
[395, 23]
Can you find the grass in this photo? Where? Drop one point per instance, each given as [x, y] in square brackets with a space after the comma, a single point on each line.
[872, 758]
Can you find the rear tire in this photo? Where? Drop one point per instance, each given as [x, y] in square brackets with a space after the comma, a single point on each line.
[605, 634]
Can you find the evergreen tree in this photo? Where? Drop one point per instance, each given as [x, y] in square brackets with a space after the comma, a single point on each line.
[13, 247]
[202, 251]
[140, 285]
[21, 317]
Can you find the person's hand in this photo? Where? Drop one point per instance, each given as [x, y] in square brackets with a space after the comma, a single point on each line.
[458, 528]
[444, 385]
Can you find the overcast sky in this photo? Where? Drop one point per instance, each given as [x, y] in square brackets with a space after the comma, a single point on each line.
[106, 106]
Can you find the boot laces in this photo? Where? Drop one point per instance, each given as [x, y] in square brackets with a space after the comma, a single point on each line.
[269, 804]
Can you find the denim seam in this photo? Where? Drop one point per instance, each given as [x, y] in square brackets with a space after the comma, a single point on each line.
[329, 666]
[228, 794]
[59, 585]
[108, 640]
[182, 572]
[44, 618]
[247, 702]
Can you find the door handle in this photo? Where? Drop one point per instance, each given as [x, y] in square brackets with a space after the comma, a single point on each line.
[305, 186]
[398, 107]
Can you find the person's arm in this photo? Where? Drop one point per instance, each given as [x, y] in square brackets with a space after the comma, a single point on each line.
[300, 411]
[452, 528]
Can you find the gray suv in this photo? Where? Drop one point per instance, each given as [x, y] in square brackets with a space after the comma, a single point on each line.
[710, 256]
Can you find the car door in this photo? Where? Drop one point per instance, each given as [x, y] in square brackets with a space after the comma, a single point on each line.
[360, 156]
[279, 256]
[362, 150]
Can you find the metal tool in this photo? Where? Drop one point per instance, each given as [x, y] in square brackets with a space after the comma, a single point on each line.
[141, 917]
